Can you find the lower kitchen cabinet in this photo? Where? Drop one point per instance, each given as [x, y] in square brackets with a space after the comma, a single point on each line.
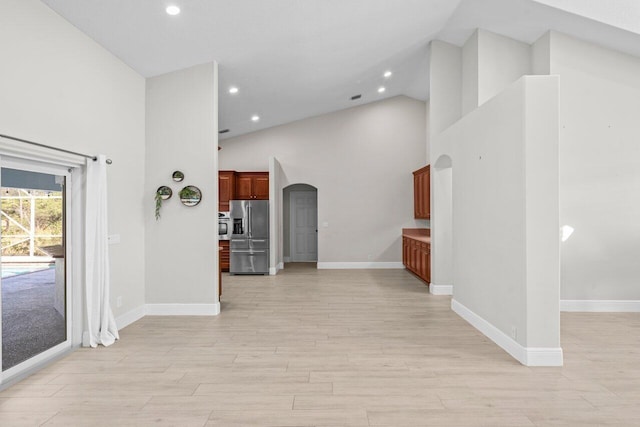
[416, 256]
[224, 255]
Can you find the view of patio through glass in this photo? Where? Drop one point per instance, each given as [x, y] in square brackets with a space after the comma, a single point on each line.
[32, 236]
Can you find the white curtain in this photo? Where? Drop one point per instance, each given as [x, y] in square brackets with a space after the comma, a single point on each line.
[101, 325]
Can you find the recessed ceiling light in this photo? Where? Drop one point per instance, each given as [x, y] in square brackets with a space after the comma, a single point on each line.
[173, 10]
[233, 90]
[381, 89]
[387, 74]
[255, 118]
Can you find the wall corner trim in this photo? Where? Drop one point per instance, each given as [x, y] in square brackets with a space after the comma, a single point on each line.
[359, 265]
[600, 306]
[440, 289]
[528, 356]
[274, 270]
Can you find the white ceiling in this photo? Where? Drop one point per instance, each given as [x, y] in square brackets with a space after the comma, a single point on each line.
[293, 59]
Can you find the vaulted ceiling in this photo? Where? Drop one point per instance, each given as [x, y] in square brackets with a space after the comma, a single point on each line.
[292, 59]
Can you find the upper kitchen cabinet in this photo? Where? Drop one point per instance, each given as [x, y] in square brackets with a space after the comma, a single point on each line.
[226, 189]
[421, 193]
[252, 186]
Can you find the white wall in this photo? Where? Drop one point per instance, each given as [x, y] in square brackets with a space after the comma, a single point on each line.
[505, 217]
[60, 88]
[445, 87]
[181, 261]
[501, 61]
[490, 63]
[470, 76]
[541, 55]
[275, 216]
[599, 175]
[427, 133]
[360, 160]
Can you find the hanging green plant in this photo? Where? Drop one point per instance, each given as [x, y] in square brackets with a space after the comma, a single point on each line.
[162, 193]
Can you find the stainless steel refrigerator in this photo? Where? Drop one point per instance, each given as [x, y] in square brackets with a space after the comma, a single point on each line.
[249, 244]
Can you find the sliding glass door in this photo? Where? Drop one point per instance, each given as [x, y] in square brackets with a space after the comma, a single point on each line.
[33, 234]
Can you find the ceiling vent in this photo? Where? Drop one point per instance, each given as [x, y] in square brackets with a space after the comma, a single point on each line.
[224, 131]
[354, 97]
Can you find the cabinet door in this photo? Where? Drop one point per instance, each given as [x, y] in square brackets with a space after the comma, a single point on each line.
[414, 256]
[421, 193]
[424, 262]
[426, 193]
[420, 267]
[224, 255]
[417, 199]
[405, 251]
[226, 189]
[244, 187]
[260, 187]
[428, 268]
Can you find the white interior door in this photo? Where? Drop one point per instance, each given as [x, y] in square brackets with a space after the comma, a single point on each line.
[304, 226]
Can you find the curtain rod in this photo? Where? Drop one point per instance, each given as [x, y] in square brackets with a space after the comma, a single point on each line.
[94, 158]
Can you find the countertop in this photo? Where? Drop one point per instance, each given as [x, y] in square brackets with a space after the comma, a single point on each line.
[419, 234]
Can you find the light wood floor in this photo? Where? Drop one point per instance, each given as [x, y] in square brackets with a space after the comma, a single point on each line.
[334, 348]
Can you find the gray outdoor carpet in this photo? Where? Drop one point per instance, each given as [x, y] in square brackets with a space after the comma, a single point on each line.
[30, 324]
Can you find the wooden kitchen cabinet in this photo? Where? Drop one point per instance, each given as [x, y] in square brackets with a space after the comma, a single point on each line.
[416, 256]
[225, 257]
[226, 189]
[219, 276]
[421, 193]
[252, 186]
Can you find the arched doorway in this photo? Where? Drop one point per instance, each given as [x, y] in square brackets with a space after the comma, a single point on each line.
[300, 223]
[442, 261]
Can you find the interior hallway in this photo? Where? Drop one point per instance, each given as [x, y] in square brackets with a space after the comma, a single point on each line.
[333, 348]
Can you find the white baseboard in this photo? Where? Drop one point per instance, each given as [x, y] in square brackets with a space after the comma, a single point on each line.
[600, 306]
[129, 317]
[359, 265]
[182, 309]
[287, 259]
[528, 356]
[440, 289]
[138, 313]
[274, 270]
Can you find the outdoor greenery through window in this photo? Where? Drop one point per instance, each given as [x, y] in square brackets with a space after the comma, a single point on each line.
[31, 220]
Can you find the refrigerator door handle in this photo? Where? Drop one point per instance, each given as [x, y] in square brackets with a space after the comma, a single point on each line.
[250, 220]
